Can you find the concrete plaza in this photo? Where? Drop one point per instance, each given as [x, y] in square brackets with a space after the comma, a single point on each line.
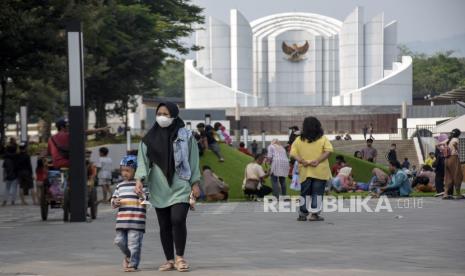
[240, 239]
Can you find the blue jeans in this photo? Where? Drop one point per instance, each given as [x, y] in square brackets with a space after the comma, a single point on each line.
[312, 188]
[130, 243]
[11, 187]
[279, 185]
[336, 185]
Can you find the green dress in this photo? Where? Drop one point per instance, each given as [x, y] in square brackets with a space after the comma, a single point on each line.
[161, 194]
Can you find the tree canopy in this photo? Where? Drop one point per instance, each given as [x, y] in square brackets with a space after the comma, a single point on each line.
[126, 43]
[436, 74]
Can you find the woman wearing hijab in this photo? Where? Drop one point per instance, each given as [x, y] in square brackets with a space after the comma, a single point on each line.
[277, 157]
[168, 165]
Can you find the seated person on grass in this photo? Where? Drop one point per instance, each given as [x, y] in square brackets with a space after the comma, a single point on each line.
[425, 180]
[215, 188]
[343, 182]
[431, 159]
[380, 179]
[340, 163]
[243, 149]
[254, 177]
[399, 184]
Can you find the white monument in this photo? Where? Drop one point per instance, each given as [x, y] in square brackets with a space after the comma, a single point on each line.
[297, 59]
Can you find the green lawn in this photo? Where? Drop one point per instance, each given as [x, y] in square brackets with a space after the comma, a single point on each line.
[232, 170]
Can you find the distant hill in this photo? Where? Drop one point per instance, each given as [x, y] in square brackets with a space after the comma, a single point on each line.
[455, 43]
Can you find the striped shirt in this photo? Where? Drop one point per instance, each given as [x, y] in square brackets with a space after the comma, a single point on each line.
[131, 214]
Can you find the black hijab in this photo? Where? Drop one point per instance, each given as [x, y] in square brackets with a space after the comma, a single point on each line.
[159, 142]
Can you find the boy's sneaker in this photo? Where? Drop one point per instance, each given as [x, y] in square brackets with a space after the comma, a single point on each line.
[302, 218]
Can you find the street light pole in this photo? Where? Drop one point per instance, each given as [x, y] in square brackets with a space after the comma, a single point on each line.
[245, 133]
[77, 172]
[23, 123]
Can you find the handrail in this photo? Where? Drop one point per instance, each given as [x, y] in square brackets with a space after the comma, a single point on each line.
[422, 149]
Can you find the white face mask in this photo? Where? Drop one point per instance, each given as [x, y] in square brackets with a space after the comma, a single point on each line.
[164, 121]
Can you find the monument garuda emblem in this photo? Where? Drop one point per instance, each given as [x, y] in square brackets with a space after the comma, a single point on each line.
[295, 53]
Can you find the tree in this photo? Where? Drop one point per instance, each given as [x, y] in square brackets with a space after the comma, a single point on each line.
[31, 44]
[171, 79]
[127, 44]
[435, 74]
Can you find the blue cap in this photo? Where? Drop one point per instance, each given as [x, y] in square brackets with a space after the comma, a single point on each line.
[129, 161]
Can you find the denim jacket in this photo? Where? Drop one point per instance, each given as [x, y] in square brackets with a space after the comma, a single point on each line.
[181, 154]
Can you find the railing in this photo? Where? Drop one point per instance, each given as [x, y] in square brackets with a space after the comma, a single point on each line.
[424, 131]
[399, 136]
[420, 142]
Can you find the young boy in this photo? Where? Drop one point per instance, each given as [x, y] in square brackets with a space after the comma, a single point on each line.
[130, 221]
[104, 175]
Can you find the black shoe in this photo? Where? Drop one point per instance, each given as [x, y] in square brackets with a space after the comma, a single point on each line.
[302, 218]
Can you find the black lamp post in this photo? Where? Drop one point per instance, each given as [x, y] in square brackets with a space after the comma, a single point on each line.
[77, 172]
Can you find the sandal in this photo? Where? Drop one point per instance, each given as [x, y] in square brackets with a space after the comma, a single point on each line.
[168, 266]
[181, 265]
[130, 269]
[125, 262]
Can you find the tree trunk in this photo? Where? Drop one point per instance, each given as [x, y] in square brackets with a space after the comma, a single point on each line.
[100, 116]
[126, 125]
[45, 130]
[125, 118]
[2, 113]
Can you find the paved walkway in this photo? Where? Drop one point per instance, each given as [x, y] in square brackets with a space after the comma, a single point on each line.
[240, 239]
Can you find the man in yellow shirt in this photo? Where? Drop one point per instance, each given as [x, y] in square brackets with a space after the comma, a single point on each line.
[430, 160]
[311, 150]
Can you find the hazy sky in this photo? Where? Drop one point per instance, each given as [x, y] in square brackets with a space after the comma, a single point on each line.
[417, 19]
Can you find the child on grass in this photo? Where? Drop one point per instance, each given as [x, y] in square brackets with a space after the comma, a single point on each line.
[130, 221]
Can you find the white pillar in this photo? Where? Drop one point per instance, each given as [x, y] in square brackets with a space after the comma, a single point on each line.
[23, 123]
